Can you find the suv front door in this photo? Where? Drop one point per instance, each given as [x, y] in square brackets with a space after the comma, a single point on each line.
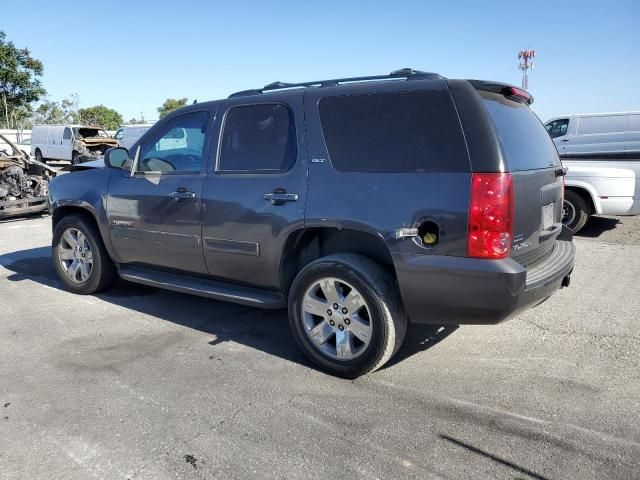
[255, 194]
[154, 213]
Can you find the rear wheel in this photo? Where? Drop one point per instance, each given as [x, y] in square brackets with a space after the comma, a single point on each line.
[79, 256]
[575, 211]
[346, 315]
[39, 156]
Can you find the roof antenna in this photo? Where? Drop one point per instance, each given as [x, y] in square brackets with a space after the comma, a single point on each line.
[195, 100]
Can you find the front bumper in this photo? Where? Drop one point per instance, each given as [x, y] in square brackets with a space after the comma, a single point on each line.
[446, 290]
[23, 206]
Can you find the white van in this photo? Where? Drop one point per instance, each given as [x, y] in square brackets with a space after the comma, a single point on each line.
[596, 133]
[127, 135]
[69, 142]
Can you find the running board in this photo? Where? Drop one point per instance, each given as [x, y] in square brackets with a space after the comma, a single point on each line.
[253, 297]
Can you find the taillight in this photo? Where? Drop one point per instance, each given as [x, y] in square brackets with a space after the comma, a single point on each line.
[490, 215]
[518, 94]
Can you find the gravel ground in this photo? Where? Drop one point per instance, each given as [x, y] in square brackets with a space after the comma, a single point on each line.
[148, 384]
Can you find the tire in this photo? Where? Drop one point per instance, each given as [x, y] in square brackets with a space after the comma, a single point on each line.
[380, 321]
[575, 211]
[75, 158]
[39, 156]
[100, 274]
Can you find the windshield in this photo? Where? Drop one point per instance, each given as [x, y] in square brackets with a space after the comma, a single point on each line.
[84, 132]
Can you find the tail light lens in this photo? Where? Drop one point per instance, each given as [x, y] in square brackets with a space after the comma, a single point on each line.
[490, 215]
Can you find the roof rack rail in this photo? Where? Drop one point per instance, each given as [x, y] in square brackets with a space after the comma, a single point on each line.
[406, 73]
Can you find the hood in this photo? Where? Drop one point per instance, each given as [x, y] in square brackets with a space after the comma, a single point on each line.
[99, 140]
[86, 165]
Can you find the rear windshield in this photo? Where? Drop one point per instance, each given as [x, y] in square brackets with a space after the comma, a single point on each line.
[525, 142]
[409, 132]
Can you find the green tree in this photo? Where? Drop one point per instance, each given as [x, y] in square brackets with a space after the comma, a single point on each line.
[171, 104]
[100, 116]
[19, 81]
[49, 112]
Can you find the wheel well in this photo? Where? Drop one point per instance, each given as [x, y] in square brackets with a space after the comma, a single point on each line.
[305, 246]
[586, 196]
[61, 212]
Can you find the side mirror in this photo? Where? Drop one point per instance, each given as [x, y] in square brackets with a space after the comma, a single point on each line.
[117, 157]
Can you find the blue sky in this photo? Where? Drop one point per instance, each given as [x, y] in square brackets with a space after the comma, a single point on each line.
[132, 55]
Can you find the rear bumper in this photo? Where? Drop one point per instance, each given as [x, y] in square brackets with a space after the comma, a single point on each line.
[456, 290]
[24, 206]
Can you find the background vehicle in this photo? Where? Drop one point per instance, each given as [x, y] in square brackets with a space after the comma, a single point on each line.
[24, 182]
[74, 143]
[127, 135]
[600, 185]
[358, 203]
[602, 156]
[596, 133]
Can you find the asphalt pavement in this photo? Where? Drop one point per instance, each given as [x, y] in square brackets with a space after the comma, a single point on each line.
[148, 384]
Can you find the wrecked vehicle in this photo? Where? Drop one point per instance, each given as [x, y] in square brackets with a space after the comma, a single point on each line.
[24, 182]
[75, 143]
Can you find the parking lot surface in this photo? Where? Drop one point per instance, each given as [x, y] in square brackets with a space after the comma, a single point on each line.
[148, 384]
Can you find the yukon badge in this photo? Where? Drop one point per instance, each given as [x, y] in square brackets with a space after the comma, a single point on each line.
[124, 223]
[518, 243]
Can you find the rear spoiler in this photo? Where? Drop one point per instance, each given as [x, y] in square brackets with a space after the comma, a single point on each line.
[509, 91]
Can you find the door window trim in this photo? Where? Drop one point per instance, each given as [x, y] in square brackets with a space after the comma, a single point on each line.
[205, 148]
[219, 171]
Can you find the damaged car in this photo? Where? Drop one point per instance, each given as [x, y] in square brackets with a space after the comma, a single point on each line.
[24, 182]
[74, 143]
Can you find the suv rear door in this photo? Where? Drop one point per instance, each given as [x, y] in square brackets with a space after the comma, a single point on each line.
[530, 155]
[255, 192]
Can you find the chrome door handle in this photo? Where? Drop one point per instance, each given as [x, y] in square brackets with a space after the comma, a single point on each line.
[564, 140]
[182, 195]
[280, 198]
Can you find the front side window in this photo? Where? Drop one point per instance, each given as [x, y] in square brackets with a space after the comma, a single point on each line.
[258, 138]
[177, 146]
[557, 128]
[119, 134]
[67, 134]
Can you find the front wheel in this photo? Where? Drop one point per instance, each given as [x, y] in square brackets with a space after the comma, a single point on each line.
[346, 314]
[79, 256]
[75, 158]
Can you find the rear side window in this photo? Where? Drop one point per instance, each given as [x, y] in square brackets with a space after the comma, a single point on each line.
[408, 132]
[596, 125]
[525, 142]
[258, 138]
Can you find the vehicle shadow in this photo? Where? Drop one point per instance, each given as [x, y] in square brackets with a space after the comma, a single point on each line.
[501, 461]
[596, 226]
[265, 330]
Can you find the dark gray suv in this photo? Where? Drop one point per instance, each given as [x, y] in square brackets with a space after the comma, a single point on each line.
[359, 203]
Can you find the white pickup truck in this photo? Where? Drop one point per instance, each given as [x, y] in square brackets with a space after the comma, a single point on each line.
[607, 184]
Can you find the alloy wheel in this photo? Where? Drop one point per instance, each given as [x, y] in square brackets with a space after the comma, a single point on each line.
[337, 319]
[75, 255]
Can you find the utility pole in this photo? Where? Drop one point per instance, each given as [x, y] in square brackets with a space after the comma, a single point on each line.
[526, 64]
